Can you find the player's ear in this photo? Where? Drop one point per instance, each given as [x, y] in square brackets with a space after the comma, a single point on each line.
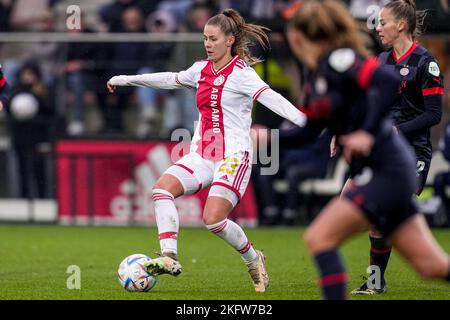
[401, 25]
[230, 40]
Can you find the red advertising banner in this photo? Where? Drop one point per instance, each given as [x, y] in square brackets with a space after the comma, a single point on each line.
[110, 183]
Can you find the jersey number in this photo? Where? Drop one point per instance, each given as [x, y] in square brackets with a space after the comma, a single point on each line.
[229, 165]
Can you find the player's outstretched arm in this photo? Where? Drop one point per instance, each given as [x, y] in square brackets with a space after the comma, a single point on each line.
[281, 106]
[159, 80]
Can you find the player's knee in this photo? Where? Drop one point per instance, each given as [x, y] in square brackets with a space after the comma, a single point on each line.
[162, 183]
[311, 240]
[212, 216]
[168, 184]
[317, 241]
[431, 269]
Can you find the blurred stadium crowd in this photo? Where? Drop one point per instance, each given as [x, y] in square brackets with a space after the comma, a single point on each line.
[67, 80]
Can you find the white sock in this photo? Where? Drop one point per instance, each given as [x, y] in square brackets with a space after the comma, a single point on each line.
[167, 220]
[233, 234]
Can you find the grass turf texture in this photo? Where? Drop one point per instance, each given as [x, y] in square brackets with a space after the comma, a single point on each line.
[35, 259]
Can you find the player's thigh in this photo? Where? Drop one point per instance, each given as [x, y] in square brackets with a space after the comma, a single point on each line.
[415, 242]
[232, 173]
[336, 222]
[231, 178]
[192, 172]
[169, 183]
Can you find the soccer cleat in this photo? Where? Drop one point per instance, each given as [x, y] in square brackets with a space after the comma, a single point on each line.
[364, 289]
[257, 270]
[163, 265]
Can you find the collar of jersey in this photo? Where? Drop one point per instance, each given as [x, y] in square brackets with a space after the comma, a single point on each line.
[216, 72]
[410, 50]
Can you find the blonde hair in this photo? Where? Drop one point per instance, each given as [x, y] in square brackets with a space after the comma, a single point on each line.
[231, 22]
[329, 21]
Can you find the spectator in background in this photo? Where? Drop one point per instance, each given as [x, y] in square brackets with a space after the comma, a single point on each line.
[184, 52]
[268, 12]
[30, 119]
[298, 165]
[5, 11]
[111, 13]
[156, 60]
[46, 54]
[28, 15]
[127, 58]
[80, 77]
[176, 8]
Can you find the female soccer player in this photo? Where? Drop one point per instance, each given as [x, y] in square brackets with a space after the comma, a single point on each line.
[221, 149]
[416, 109]
[351, 95]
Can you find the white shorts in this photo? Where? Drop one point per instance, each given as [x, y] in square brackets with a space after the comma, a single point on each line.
[228, 178]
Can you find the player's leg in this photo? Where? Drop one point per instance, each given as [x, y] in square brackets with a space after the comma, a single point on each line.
[231, 178]
[187, 176]
[339, 220]
[165, 190]
[380, 248]
[215, 215]
[414, 241]
[380, 252]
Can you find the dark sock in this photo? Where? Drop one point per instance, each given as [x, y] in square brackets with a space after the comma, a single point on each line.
[379, 254]
[333, 280]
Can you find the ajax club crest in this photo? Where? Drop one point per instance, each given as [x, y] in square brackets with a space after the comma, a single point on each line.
[219, 80]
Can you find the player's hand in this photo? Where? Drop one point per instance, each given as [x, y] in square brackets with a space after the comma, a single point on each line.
[110, 87]
[357, 144]
[395, 129]
[333, 147]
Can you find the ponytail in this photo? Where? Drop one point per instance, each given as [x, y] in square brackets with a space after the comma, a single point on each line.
[407, 10]
[232, 23]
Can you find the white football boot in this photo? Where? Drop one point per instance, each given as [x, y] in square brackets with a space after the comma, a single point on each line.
[258, 273]
[163, 265]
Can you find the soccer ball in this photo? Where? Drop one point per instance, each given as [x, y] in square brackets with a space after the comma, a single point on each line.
[133, 276]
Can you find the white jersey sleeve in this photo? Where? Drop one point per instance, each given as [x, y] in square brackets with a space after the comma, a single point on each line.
[253, 86]
[189, 78]
[160, 80]
[281, 106]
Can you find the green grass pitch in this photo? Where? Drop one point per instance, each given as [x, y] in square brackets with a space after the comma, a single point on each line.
[35, 258]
